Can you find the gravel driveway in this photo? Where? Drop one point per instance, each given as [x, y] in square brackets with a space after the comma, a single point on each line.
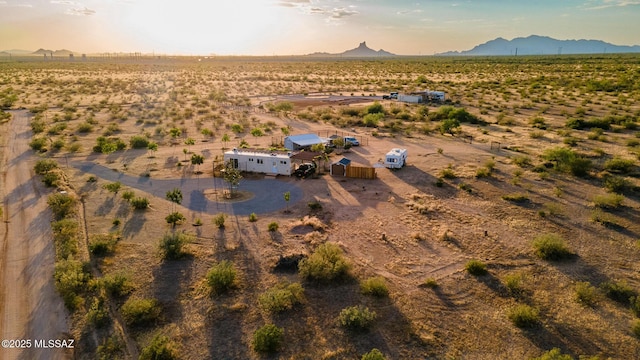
[267, 193]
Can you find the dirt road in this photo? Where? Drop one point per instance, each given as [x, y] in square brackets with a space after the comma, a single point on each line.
[30, 308]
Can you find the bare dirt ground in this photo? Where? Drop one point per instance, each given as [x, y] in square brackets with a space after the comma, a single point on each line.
[31, 308]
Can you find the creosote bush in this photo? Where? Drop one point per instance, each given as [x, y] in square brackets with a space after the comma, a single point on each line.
[281, 297]
[267, 339]
[62, 205]
[160, 348]
[476, 267]
[356, 318]
[618, 291]
[551, 247]
[375, 286]
[221, 277]
[140, 203]
[172, 245]
[608, 201]
[374, 354]
[219, 219]
[140, 312]
[555, 354]
[327, 263]
[585, 293]
[273, 226]
[523, 316]
[71, 279]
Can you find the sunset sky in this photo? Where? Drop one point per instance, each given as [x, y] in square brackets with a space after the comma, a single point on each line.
[287, 27]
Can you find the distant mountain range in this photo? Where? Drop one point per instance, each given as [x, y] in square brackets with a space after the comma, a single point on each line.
[543, 45]
[39, 52]
[361, 51]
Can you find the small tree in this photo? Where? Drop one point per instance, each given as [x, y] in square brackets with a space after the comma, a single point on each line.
[287, 197]
[152, 147]
[175, 196]
[189, 142]
[175, 132]
[113, 187]
[174, 218]
[197, 160]
[225, 139]
[232, 177]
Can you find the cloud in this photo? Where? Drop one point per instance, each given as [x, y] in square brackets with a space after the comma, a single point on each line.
[340, 13]
[293, 3]
[63, 2]
[604, 4]
[407, 12]
[80, 12]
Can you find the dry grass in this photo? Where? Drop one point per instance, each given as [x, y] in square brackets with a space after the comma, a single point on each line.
[457, 316]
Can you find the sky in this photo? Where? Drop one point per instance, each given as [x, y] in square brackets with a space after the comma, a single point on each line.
[296, 27]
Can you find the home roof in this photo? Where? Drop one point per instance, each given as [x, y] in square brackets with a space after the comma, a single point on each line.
[305, 139]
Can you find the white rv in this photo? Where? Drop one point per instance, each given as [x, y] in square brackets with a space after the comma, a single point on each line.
[396, 158]
[266, 162]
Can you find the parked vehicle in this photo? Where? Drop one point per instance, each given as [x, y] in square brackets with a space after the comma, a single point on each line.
[351, 140]
[396, 158]
[305, 170]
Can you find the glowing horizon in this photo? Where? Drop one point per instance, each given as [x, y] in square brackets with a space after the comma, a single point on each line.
[298, 27]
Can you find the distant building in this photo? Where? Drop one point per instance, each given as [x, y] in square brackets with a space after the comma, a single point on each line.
[302, 141]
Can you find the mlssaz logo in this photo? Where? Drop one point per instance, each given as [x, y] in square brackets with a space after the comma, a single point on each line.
[55, 344]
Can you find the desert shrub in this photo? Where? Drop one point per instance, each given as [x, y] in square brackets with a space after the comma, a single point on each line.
[476, 267]
[635, 328]
[516, 198]
[325, 264]
[140, 203]
[172, 245]
[585, 293]
[218, 220]
[483, 172]
[356, 318]
[85, 127]
[604, 218]
[273, 226]
[617, 184]
[513, 284]
[374, 354]
[283, 296]
[523, 316]
[65, 236]
[566, 160]
[608, 201]
[103, 244]
[62, 205]
[113, 187]
[174, 218]
[538, 122]
[117, 284]
[253, 217]
[554, 354]
[160, 348]
[551, 247]
[38, 144]
[111, 348]
[44, 166]
[448, 173]
[140, 312]
[139, 142]
[128, 195]
[375, 108]
[635, 305]
[267, 339]
[98, 314]
[314, 205]
[619, 165]
[51, 179]
[37, 126]
[71, 278]
[430, 283]
[221, 277]
[618, 291]
[375, 286]
[449, 126]
[536, 134]
[581, 124]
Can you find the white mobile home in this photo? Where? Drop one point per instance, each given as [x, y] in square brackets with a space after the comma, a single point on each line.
[396, 158]
[266, 162]
[410, 98]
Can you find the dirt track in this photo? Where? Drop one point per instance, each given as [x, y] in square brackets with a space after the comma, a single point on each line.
[30, 307]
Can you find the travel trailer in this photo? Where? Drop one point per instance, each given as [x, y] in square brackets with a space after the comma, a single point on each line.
[266, 162]
[396, 158]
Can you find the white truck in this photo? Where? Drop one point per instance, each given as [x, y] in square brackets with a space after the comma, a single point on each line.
[396, 158]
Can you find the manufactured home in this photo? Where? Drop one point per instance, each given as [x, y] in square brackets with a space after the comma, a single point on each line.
[266, 162]
[396, 158]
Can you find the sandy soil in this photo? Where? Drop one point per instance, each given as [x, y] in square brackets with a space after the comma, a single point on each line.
[31, 307]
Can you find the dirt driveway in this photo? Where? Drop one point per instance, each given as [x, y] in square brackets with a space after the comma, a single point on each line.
[30, 307]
